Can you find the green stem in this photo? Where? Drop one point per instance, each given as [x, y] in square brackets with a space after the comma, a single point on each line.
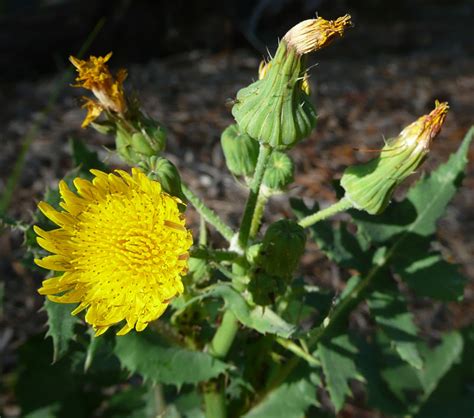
[257, 215]
[224, 336]
[255, 185]
[208, 214]
[214, 395]
[214, 403]
[337, 207]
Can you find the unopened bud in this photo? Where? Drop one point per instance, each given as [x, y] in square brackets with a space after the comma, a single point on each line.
[282, 247]
[280, 171]
[240, 151]
[166, 173]
[370, 186]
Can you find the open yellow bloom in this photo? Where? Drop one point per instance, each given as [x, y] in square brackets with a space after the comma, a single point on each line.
[94, 75]
[122, 247]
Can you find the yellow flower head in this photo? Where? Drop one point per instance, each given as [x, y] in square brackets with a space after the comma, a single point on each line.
[313, 34]
[94, 75]
[121, 247]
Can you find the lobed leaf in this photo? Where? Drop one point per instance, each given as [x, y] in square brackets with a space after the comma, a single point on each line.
[150, 357]
[338, 361]
[388, 306]
[290, 400]
[60, 326]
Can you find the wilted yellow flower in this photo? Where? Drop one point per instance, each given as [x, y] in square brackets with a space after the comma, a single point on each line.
[94, 75]
[313, 34]
[122, 247]
[423, 130]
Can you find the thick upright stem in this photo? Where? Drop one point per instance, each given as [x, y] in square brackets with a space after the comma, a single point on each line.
[208, 214]
[215, 404]
[255, 185]
[224, 336]
[337, 207]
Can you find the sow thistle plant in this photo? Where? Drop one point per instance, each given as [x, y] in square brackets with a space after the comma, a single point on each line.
[234, 330]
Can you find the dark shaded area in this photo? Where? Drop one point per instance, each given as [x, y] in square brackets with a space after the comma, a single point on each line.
[37, 35]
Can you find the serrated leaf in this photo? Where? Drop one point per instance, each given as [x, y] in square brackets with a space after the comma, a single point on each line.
[60, 326]
[336, 242]
[412, 386]
[431, 276]
[290, 400]
[389, 309]
[338, 361]
[147, 355]
[425, 202]
[263, 320]
[84, 158]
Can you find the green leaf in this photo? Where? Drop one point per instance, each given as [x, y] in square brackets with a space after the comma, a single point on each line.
[425, 202]
[262, 319]
[431, 276]
[84, 158]
[290, 400]
[338, 361]
[378, 394]
[389, 308]
[412, 386]
[60, 326]
[147, 355]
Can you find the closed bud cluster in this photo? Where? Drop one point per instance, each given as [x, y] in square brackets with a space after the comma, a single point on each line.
[275, 110]
[139, 138]
[282, 247]
[370, 186]
[240, 151]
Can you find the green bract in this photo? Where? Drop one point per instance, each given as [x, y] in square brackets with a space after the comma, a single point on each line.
[240, 151]
[275, 110]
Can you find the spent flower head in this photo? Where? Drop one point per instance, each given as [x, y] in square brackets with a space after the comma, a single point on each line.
[370, 186]
[121, 249]
[94, 75]
[313, 34]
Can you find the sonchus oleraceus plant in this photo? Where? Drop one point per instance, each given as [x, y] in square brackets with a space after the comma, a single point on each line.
[190, 329]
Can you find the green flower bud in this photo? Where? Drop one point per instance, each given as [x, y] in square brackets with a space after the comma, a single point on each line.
[276, 109]
[153, 132]
[370, 186]
[264, 288]
[280, 171]
[123, 144]
[240, 151]
[282, 247]
[166, 173]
